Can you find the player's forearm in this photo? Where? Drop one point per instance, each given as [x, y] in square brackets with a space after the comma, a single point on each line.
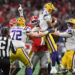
[20, 9]
[55, 20]
[37, 35]
[49, 24]
[64, 34]
[42, 34]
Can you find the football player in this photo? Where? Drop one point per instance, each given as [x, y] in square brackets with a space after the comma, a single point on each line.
[45, 23]
[39, 48]
[68, 60]
[16, 65]
[19, 37]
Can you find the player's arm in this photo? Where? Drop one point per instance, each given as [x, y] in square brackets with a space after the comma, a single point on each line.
[55, 21]
[20, 9]
[37, 35]
[40, 34]
[50, 24]
[62, 34]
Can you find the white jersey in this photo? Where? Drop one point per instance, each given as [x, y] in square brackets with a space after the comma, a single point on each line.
[18, 35]
[70, 38]
[44, 16]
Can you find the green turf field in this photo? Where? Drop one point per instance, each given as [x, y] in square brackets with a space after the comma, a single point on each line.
[22, 71]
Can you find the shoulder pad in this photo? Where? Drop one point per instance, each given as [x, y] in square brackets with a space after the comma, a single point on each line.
[45, 12]
[69, 30]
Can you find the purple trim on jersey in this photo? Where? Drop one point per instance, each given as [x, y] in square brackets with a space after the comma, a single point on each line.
[73, 60]
[49, 43]
[26, 55]
[17, 28]
[52, 45]
[46, 12]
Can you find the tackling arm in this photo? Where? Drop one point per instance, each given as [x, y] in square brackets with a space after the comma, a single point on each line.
[62, 34]
[36, 34]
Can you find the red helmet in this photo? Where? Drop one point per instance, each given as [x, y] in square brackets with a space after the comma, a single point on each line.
[34, 20]
[12, 22]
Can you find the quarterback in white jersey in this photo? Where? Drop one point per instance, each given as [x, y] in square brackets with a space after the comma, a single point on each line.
[44, 16]
[46, 21]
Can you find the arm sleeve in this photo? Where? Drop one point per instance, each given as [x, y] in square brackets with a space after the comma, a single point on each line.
[64, 34]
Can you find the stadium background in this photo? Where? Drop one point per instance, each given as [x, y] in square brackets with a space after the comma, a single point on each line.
[8, 9]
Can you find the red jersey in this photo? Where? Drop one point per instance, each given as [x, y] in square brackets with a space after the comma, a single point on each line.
[36, 45]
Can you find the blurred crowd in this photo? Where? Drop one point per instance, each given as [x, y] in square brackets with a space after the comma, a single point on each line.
[8, 9]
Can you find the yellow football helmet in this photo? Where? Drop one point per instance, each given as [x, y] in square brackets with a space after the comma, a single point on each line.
[72, 22]
[49, 7]
[21, 21]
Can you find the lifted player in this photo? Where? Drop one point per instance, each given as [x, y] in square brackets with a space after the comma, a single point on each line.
[46, 22]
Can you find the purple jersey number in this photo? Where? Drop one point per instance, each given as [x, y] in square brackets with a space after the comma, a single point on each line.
[17, 34]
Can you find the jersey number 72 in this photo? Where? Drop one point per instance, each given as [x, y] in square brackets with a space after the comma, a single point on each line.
[16, 34]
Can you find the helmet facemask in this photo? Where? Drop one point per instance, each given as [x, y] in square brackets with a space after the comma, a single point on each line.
[34, 21]
[21, 21]
[71, 23]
